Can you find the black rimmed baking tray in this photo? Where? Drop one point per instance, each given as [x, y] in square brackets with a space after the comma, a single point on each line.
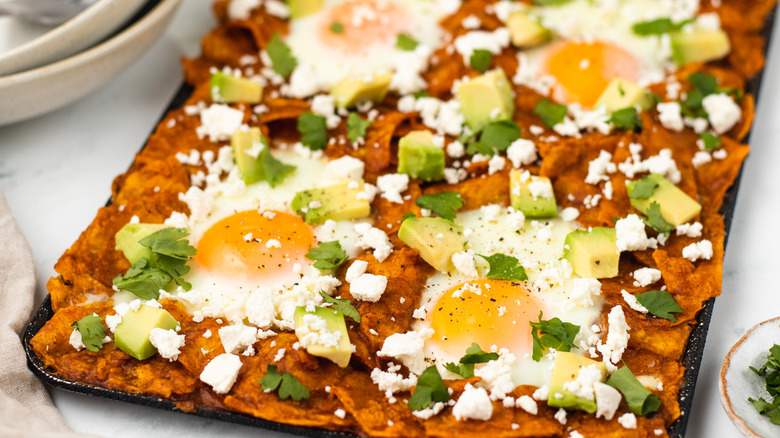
[691, 360]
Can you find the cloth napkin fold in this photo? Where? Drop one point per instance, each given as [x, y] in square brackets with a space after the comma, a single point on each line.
[25, 407]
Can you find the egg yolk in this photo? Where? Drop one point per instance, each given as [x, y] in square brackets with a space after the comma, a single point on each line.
[498, 313]
[583, 70]
[364, 23]
[255, 247]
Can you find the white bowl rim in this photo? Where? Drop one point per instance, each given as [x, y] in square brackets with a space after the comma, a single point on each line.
[77, 59]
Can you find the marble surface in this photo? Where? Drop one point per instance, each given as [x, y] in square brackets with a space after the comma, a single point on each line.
[56, 171]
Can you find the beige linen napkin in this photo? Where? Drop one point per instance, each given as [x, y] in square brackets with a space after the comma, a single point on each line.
[25, 407]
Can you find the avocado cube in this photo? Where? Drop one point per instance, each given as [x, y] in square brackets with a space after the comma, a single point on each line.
[486, 98]
[247, 146]
[132, 334]
[700, 45]
[525, 31]
[593, 253]
[533, 195]
[418, 157]
[436, 239]
[128, 237]
[341, 352]
[338, 202]
[302, 8]
[565, 369]
[621, 93]
[353, 90]
[676, 206]
[231, 89]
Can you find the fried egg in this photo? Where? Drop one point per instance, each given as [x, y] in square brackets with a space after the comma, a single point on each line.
[496, 314]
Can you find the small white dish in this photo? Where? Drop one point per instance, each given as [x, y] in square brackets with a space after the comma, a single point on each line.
[34, 92]
[85, 29]
[738, 382]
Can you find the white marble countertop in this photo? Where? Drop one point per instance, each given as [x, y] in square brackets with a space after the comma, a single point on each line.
[56, 171]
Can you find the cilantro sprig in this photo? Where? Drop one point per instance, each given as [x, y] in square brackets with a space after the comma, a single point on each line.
[274, 171]
[430, 389]
[655, 219]
[342, 305]
[406, 42]
[504, 267]
[288, 386]
[659, 303]
[92, 331]
[336, 27]
[495, 137]
[170, 252]
[313, 130]
[480, 60]
[626, 119]
[710, 140]
[640, 400]
[282, 60]
[327, 255]
[356, 127]
[443, 204]
[658, 26]
[702, 85]
[550, 113]
[770, 371]
[643, 189]
[474, 355]
[552, 333]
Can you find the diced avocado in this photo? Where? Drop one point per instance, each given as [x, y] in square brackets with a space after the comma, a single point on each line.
[700, 45]
[621, 93]
[522, 188]
[525, 31]
[127, 240]
[247, 146]
[353, 90]
[132, 334]
[565, 369]
[418, 157]
[437, 239]
[676, 207]
[340, 353]
[231, 89]
[338, 202]
[302, 8]
[486, 98]
[592, 253]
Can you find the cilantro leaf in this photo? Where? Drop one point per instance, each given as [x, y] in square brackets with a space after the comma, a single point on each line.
[337, 27]
[703, 84]
[554, 333]
[170, 252]
[626, 119]
[406, 42]
[504, 267]
[407, 216]
[342, 305]
[356, 127]
[643, 188]
[495, 136]
[314, 131]
[710, 140]
[92, 331]
[288, 386]
[430, 388]
[419, 94]
[660, 303]
[282, 59]
[658, 26]
[770, 372]
[480, 60]
[474, 355]
[655, 219]
[275, 171]
[328, 255]
[550, 113]
[443, 204]
[640, 400]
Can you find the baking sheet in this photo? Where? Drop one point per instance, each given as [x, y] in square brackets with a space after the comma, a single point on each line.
[691, 360]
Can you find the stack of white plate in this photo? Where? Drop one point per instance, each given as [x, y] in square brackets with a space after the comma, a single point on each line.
[42, 69]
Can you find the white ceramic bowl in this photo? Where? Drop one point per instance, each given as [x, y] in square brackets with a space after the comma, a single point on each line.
[738, 383]
[85, 29]
[34, 92]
